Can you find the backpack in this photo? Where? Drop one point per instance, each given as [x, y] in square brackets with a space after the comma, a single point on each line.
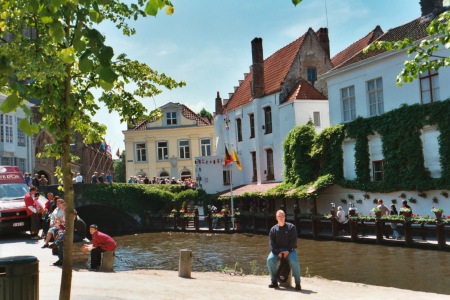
[283, 270]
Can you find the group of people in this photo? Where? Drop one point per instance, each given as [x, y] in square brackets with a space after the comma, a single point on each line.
[188, 183]
[101, 178]
[36, 180]
[50, 217]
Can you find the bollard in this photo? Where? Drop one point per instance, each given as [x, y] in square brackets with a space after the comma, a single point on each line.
[185, 263]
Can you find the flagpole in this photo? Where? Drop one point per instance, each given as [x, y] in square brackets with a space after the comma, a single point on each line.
[231, 196]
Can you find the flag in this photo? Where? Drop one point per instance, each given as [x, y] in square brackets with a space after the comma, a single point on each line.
[227, 157]
[107, 147]
[236, 159]
[118, 152]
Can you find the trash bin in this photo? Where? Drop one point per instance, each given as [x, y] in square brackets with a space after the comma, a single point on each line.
[19, 278]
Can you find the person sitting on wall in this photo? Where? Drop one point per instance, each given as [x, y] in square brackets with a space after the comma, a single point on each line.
[101, 242]
[342, 219]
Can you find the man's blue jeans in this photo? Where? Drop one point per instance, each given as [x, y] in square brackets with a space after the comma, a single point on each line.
[60, 243]
[272, 260]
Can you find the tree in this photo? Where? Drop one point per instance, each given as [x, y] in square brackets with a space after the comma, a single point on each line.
[51, 51]
[425, 58]
[119, 168]
[205, 114]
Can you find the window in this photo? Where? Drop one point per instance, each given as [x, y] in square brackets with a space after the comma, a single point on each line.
[268, 119]
[270, 171]
[21, 141]
[21, 162]
[163, 174]
[252, 125]
[316, 118]
[7, 161]
[312, 74]
[254, 167]
[226, 177]
[185, 175]
[377, 168]
[163, 153]
[239, 129]
[429, 86]
[6, 128]
[205, 145]
[348, 103]
[141, 152]
[375, 96]
[171, 118]
[184, 151]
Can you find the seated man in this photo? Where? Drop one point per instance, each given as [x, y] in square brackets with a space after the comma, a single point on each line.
[340, 216]
[79, 233]
[101, 242]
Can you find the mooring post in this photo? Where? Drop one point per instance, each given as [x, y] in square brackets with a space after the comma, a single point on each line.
[185, 263]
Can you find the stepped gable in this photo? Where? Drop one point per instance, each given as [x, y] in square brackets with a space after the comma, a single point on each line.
[186, 112]
[304, 90]
[276, 68]
[416, 30]
[356, 47]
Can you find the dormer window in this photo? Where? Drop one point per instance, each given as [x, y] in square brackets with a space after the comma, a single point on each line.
[171, 118]
[312, 74]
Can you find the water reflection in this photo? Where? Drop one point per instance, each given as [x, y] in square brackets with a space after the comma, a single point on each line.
[406, 268]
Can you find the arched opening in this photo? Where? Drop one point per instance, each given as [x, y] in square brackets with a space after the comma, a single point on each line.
[185, 174]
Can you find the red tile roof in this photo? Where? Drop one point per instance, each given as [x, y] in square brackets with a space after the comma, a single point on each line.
[276, 68]
[186, 112]
[304, 90]
[415, 30]
[356, 47]
[250, 188]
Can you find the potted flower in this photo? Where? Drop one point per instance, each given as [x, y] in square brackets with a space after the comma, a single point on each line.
[444, 193]
[435, 200]
[422, 195]
[377, 212]
[437, 212]
[366, 196]
[403, 195]
[405, 211]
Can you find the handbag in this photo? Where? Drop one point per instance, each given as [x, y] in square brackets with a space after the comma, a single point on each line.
[283, 270]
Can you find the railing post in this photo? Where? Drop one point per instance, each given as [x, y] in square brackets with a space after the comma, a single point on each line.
[209, 219]
[440, 228]
[175, 220]
[196, 220]
[379, 226]
[315, 227]
[408, 232]
[334, 227]
[353, 229]
[225, 220]
[182, 219]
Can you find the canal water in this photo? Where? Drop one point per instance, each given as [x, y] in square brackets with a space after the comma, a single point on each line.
[405, 268]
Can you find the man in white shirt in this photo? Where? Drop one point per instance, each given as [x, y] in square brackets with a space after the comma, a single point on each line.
[79, 178]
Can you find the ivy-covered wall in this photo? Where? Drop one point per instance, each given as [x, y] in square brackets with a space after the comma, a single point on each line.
[403, 160]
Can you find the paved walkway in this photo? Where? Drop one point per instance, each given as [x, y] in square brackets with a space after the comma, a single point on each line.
[159, 284]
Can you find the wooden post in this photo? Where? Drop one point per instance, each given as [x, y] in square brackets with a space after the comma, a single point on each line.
[196, 220]
[210, 221]
[185, 263]
[353, 230]
[408, 233]
[379, 226]
[225, 221]
[441, 235]
[315, 227]
[334, 227]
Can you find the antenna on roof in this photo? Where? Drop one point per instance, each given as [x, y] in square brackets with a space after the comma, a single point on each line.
[326, 12]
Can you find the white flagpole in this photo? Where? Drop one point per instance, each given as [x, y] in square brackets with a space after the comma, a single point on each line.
[231, 196]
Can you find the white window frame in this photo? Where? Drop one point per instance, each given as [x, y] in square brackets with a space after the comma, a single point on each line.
[375, 97]
[171, 118]
[316, 118]
[205, 146]
[184, 149]
[140, 152]
[162, 150]
[429, 87]
[7, 131]
[348, 103]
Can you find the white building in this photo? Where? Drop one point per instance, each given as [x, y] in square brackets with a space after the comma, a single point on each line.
[280, 92]
[16, 148]
[364, 85]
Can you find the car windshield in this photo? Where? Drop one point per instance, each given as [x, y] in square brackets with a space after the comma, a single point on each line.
[13, 191]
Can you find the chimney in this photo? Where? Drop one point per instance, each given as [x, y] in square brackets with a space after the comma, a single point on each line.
[219, 107]
[258, 68]
[324, 40]
[428, 6]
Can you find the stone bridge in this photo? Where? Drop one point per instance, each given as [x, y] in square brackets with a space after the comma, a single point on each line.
[110, 219]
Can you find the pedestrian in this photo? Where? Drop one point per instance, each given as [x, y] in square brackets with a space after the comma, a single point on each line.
[395, 234]
[35, 180]
[283, 243]
[43, 181]
[79, 178]
[32, 212]
[109, 178]
[101, 242]
[384, 211]
[94, 178]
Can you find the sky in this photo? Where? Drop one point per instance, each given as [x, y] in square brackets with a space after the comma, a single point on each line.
[207, 43]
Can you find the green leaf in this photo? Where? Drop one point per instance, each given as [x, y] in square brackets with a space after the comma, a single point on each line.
[105, 55]
[5, 64]
[152, 8]
[103, 2]
[107, 74]
[67, 55]
[79, 45]
[85, 65]
[10, 104]
[295, 2]
[94, 16]
[56, 31]
[106, 85]
[26, 127]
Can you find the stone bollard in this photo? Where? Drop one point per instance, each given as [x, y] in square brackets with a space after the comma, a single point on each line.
[185, 263]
